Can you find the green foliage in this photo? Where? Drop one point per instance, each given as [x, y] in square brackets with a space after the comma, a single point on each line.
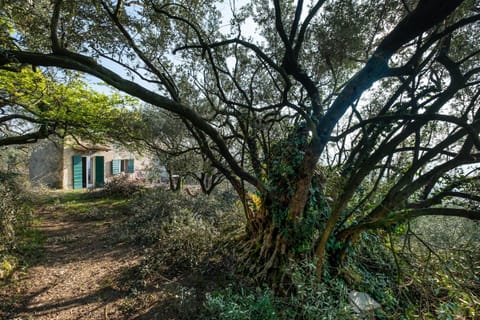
[40, 102]
[19, 244]
[14, 211]
[8, 264]
[312, 300]
[442, 259]
[281, 181]
[419, 275]
[14, 159]
[179, 231]
[30, 245]
[240, 305]
[371, 268]
[183, 245]
[315, 299]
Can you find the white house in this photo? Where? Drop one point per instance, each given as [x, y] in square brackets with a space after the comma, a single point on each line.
[62, 165]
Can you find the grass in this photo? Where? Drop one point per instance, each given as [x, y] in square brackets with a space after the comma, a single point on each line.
[31, 244]
[29, 250]
[82, 204]
[8, 264]
[49, 197]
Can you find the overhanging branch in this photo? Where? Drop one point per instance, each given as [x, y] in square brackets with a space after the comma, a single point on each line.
[74, 61]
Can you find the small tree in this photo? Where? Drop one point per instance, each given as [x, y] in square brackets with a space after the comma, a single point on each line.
[168, 140]
[34, 107]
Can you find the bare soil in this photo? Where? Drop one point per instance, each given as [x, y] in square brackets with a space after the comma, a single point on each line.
[83, 274]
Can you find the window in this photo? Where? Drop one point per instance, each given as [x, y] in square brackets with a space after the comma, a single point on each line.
[122, 165]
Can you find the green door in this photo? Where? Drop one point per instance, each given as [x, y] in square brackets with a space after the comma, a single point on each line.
[77, 172]
[99, 171]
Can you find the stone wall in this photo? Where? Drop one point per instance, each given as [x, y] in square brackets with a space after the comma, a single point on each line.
[45, 166]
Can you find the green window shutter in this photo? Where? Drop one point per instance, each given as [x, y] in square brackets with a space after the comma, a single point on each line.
[115, 167]
[130, 166]
[99, 171]
[77, 172]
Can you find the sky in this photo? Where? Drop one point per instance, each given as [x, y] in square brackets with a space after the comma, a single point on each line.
[224, 7]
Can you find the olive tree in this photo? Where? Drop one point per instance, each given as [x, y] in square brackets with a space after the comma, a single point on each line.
[165, 137]
[336, 117]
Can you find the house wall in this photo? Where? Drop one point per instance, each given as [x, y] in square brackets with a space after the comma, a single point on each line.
[45, 167]
[51, 163]
[140, 163]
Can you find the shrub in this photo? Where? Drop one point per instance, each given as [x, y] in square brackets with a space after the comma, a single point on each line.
[180, 232]
[182, 245]
[312, 300]
[7, 265]
[119, 186]
[240, 305]
[15, 216]
[442, 260]
[427, 269]
[14, 212]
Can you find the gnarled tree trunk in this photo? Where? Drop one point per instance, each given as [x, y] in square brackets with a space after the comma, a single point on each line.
[284, 222]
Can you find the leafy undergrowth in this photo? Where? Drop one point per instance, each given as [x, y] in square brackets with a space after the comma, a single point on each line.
[20, 244]
[413, 283]
[189, 251]
[426, 270]
[186, 249]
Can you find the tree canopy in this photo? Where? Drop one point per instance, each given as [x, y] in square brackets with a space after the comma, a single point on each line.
[341, 116]
[34, 106]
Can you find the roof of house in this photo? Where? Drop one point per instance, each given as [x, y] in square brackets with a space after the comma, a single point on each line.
[88, 147]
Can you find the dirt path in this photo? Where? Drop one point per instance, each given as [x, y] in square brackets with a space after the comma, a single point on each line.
[77, 277]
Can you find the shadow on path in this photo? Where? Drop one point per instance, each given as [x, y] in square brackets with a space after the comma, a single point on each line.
[78, 274]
